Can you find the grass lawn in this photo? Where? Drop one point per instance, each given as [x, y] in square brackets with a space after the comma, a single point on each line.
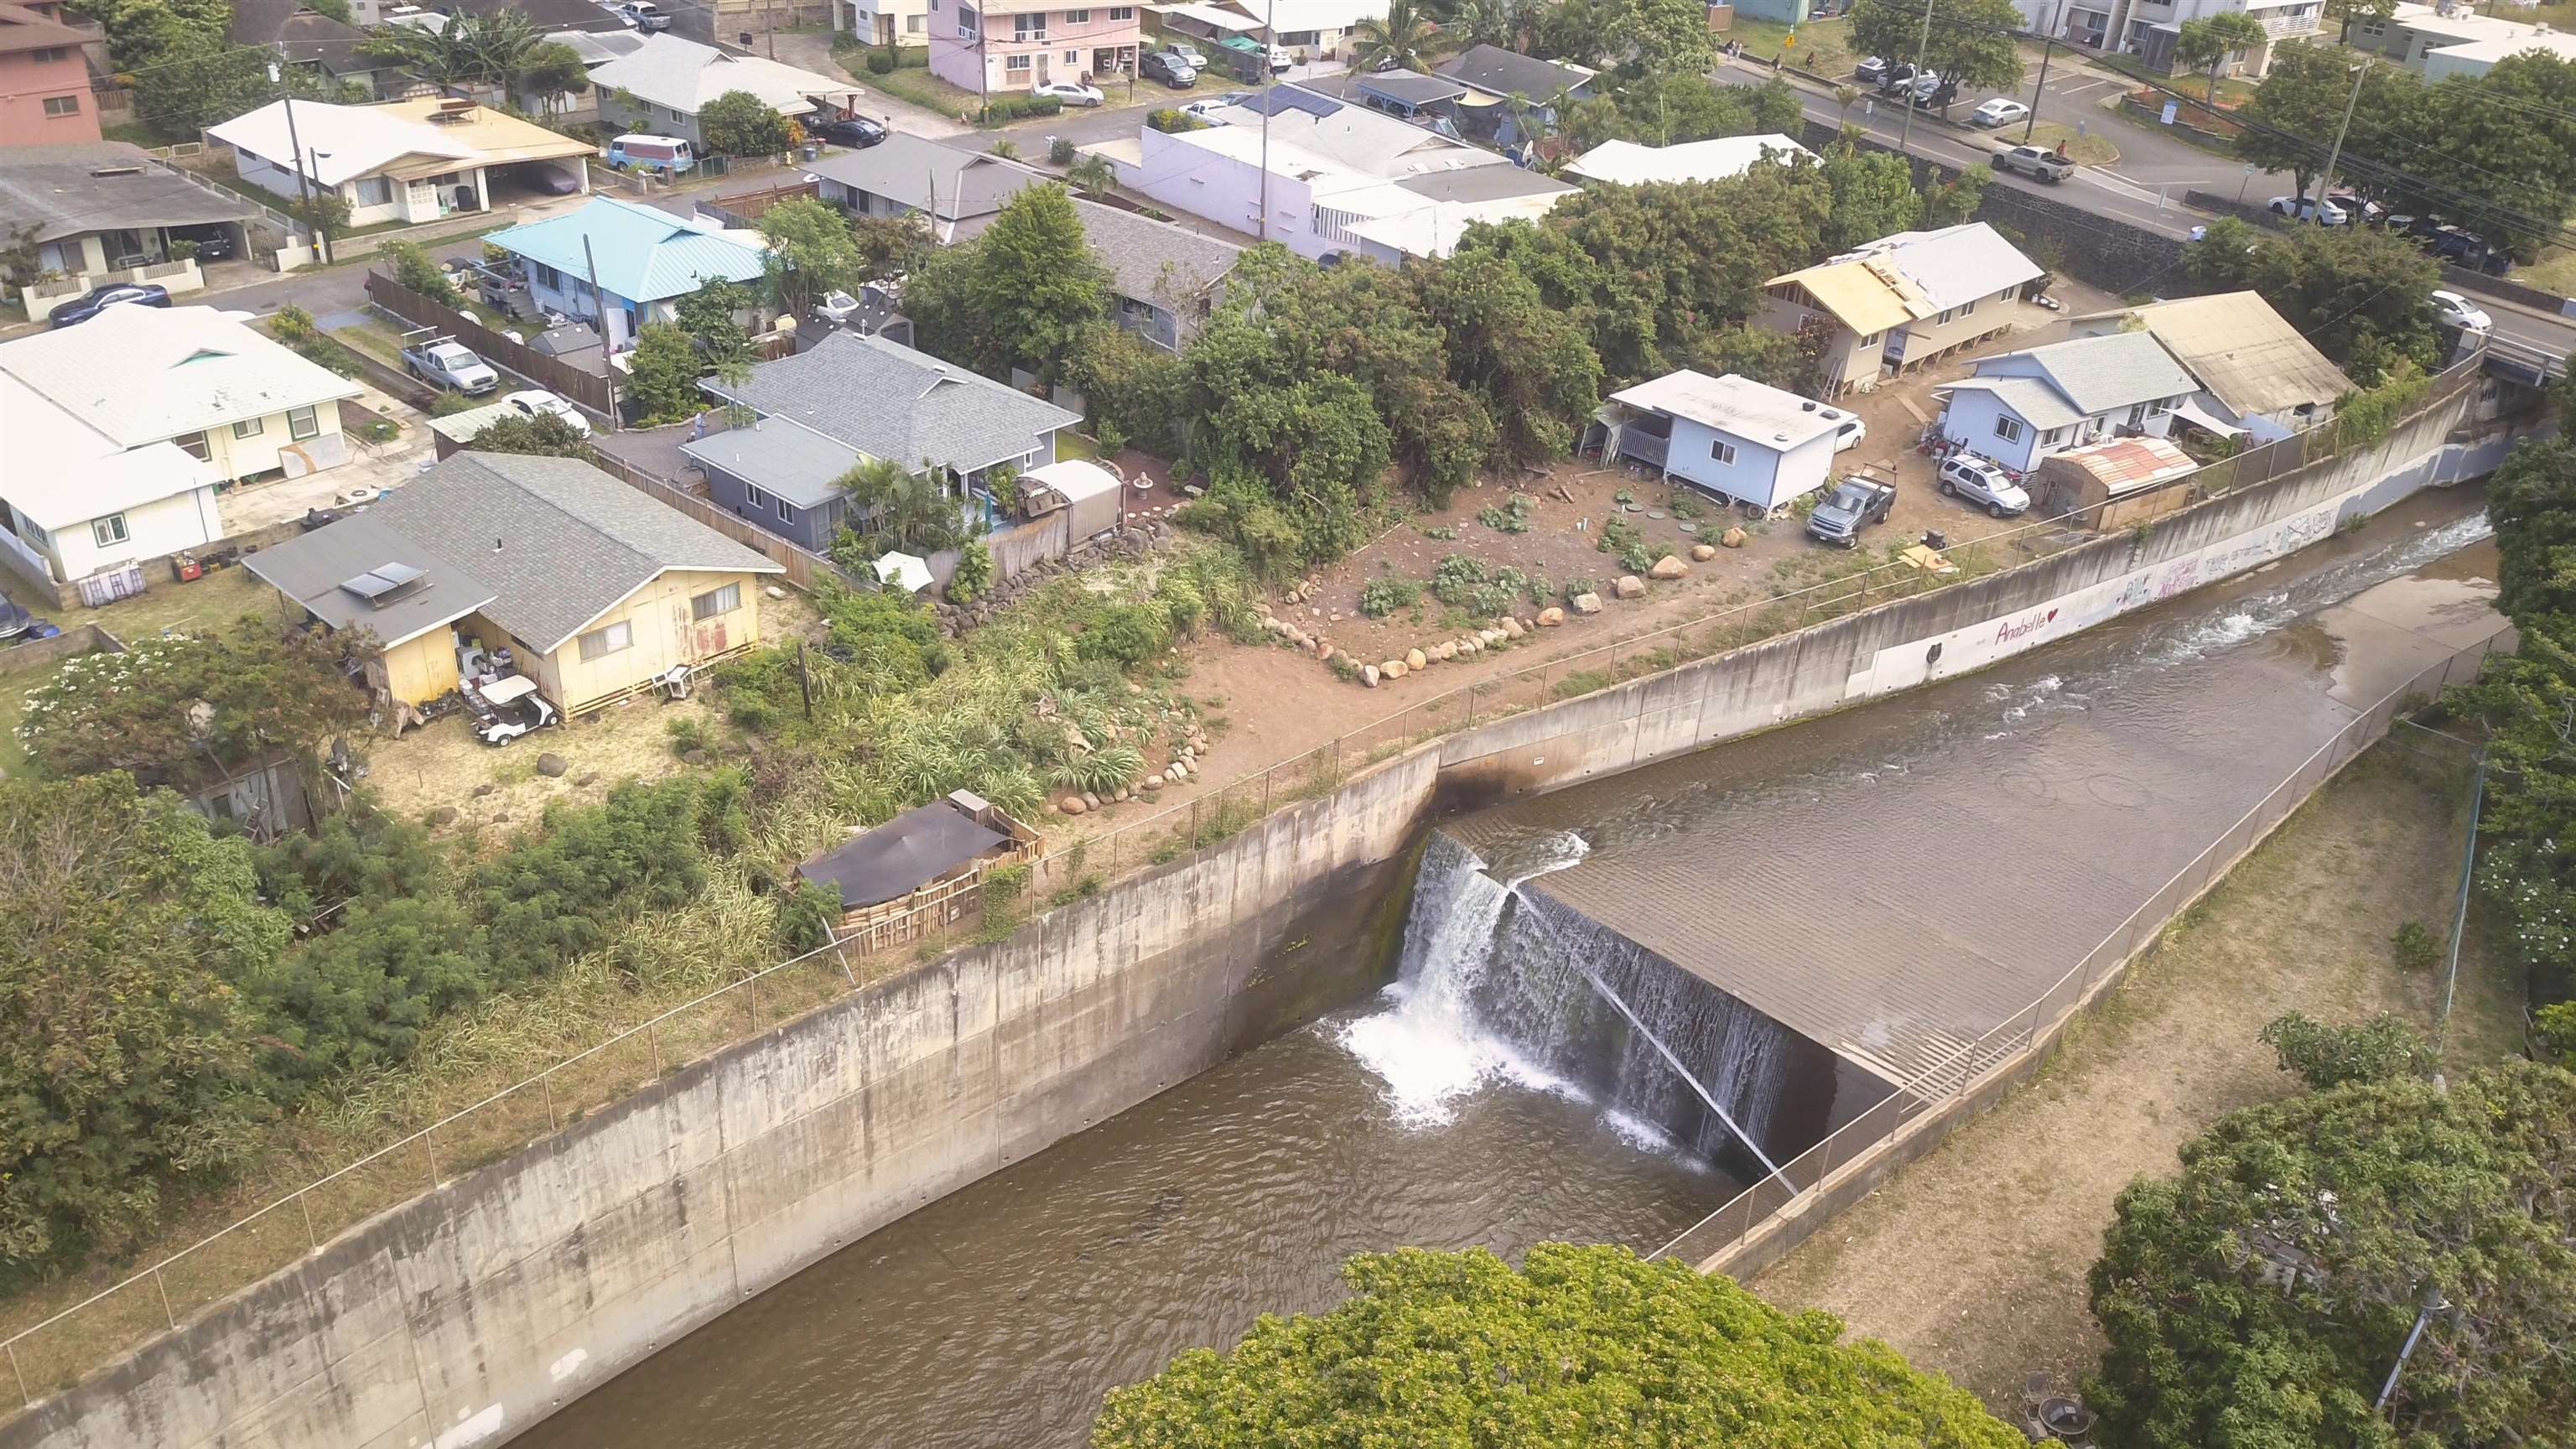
[919, 86]
[14, 685]
[1822, 46]
[1070, 444]
[2092, 150]
[2231, 91]
[208, 603]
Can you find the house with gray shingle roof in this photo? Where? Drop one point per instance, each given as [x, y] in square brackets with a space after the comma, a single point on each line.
[905, 175]
[2021, 407]
[494, 563]
[876, 399]
[1163, 279]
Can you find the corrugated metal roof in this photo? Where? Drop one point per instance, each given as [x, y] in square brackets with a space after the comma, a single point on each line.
[644, 254]
[1629, 164]
[1915, 274]
[2125, 465]
[1859, 297]
[2245, 352]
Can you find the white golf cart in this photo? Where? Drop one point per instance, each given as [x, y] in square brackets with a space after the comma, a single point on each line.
[507, 708]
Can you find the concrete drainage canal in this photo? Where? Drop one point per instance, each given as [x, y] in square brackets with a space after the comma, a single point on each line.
[1615, 1007]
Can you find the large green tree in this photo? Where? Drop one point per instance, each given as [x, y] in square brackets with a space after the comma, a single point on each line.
[2208, 40]
[739, 123]
[1404, 38]
[2291, 120]
[124, 1046]
[192, 709]
[811, 252]
[2262, 1296]
[1970, 42]
[1036, 281]
[474, 48]
[662, 377]
[1874, 195]
[1531, 364]
[1582, 1346]
[2495, 153]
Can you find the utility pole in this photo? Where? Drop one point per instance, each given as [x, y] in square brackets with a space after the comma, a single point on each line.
[599, 309]
[2325, 183]
[1269, 37]
[1905, 128]
[2047, 48]
[303, 183]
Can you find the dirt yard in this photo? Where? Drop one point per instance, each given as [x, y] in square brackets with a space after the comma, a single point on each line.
[1973, 1260]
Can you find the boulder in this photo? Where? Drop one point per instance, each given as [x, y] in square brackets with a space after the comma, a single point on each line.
[1586, 603]
[1448, 649]
[1512, 629]
[1489, 637]
[1152, 784]
[588, 778]
[1668, 567]
[1071, 805]
[1550, 617]
[1732, 538]
[1120, 798]
[486, 788]
[1391, 669]
[775, 592]
[1416, 659]
[1629, 586]
[1369, 675]
[1090, 799]
[552, 765]
[1703, 552]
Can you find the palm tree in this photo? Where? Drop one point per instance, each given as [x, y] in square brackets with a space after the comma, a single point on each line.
[1489, 22]
[1092, 176]
[892, 507]
[1402, 39]
[489, 48]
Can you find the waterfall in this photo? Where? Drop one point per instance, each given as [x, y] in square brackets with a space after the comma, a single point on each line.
[1502, 984]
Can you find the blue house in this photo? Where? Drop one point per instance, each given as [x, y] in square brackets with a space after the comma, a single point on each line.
[646, 260]
[1745, 441]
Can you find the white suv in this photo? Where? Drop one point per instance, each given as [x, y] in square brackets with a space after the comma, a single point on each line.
[1965, 475]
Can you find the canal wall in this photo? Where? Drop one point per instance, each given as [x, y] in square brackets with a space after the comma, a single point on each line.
[468, 1314]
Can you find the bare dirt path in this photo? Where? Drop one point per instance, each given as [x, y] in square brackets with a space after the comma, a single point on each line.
[1973, 1260]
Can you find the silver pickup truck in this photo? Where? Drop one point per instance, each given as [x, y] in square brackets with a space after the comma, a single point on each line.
[2036, 162]
[445, 362]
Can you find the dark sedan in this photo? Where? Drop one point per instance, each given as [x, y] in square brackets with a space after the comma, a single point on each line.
[98, 299]
[856, 132]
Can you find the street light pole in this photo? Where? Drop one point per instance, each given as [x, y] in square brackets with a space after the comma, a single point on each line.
[1905, 127]
[2334, 154]
[304, 183]
[1269, 37]
[2047, 48]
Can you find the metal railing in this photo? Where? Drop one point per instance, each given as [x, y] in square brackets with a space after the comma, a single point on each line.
[2008, 1045]
[275, 1235]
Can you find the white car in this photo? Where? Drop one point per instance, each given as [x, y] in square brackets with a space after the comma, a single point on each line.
[1071, 93]
[536, 401]
[836, 308]
[1204, 110]
[1999, 112]
[1188, 52]
[1848, 434]
[2304, 208]
[1965, 475]
[2453, 310]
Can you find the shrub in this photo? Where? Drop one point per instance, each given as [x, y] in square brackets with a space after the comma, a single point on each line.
[2415, 947]
[1060, 151]
[1172, 120]
[562, 890]
[1618, 535]
[2378, 1050]
[1468, 583]
[1101, 771]
[415, 268]
[1382, 597]
[359, 996]
[880, 63]
[974, 576]
[1125, 634]
[1577, 588]
[806, 914]
[1510, 516]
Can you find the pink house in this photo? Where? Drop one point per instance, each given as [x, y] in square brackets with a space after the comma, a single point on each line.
[44, 83]
[1013, 45]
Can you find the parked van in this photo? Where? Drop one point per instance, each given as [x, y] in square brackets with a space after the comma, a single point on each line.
[667, 154]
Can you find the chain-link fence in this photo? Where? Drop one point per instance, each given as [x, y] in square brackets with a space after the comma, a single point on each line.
[2009, 1045]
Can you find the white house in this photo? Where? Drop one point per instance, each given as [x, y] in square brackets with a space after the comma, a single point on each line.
[408, 161]
[1743, 440]
[2022, 407]
[885, 22]
[2257, 374]
[1625, 163]
[1341, 178]
[1310, 29]
[117, 432]
[661, 87]
[2454, 39]
[2148, 28]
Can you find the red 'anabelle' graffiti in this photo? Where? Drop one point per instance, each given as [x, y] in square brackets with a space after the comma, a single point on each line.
[2025, 628]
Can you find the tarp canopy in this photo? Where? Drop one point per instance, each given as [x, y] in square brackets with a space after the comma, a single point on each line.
[902, 855]
[1088, 490]
[909, 572]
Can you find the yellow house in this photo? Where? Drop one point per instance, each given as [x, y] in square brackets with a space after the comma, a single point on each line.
[494, 563]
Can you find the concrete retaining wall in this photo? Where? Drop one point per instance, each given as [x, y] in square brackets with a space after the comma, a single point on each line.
[470, 1313]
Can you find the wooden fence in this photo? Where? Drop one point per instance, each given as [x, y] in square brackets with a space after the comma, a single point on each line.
[805, 569]
[588, 390]
[744, 209]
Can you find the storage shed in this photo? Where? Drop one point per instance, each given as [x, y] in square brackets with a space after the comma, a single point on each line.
[922, 870]
[2119, 484]
[1086, 492]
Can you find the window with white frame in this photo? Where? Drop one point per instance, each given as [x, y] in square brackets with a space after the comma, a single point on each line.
[966, 22]
[196, 446]
[1016, 64]
[716, 601]
[754, 497]
[2008, 429]
[108, 531]
[600, 643]
[786, 512]
[302, 423]
[1029, 26]
[249, 427]
[1122, 12]
[1077, 17]
[62, 105]
[1722, 452]
[374, 191]
[912, 25]
[1073, 57]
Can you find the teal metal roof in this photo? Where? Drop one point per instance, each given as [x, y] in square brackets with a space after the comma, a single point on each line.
[644, 254]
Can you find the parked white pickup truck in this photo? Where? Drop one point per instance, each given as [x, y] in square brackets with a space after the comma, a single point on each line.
[445, 362]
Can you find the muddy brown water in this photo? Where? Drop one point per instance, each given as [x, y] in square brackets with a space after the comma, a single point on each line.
[999, 1315]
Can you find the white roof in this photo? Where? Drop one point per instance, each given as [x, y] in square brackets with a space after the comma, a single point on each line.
[909, 572]
[1353, 137]
[1629, 164]
[1433, 228]
[342, 143]
[62, 472]
[2492, 52]
[138, 375]
[2467, 24]
[1753, 411]
[1210, 15]
[682, 75]
[1075, 478]
[1955, 265]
